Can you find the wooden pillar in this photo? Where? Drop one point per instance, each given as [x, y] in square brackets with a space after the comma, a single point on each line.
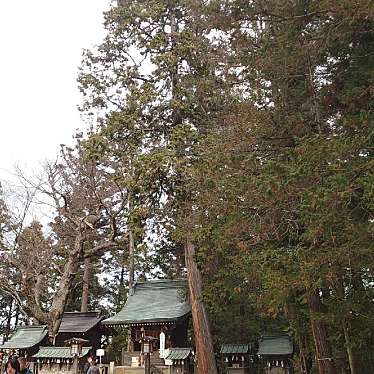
[76, 365]
[130, 343]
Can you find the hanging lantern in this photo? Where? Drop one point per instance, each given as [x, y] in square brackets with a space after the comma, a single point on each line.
[75, 349]
[76, 345]
[146, 347]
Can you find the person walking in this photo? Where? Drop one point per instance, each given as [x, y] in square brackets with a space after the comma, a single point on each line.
[12, 366]
[93, 368]
[87, 364]
[24, 366]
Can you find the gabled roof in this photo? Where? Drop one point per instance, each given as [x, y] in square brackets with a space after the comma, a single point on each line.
[79, 322]
[178, 353]
[275, 345]
[58, 352]
[26, 337]
[229, 349]
[153, 302]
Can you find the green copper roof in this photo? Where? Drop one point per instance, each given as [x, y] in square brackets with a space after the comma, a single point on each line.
[275, 345]
[229, 349]
[178, 353]
[152, 302]
[58, 352]
[26, 337]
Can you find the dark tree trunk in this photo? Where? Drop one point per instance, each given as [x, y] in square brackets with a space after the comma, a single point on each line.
[9, 319]
[346, 331]
[86, 284]
[304, 355]
[131, 259]
[121, 283]
[323, 351]
[130, 345]
[61, 296]
[16, 321]
[348, 344]
[206, 363]
[300, 336]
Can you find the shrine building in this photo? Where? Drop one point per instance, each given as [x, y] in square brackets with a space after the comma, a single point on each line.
[156, 315]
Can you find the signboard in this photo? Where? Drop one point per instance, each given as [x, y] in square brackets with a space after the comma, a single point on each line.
[100, 352]
[135, 362]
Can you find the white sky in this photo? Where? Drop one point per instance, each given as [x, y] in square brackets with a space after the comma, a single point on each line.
[41, 45]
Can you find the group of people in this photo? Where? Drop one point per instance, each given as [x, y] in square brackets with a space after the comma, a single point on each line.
[21, 366]
[17, 366]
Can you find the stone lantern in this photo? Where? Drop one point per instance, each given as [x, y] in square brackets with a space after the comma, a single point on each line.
[76, 345]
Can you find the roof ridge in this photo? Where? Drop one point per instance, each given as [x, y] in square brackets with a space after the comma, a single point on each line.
[166, 280]
[93, 312]
[54, 347]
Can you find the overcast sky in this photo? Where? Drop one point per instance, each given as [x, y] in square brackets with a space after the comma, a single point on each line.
[41, 45]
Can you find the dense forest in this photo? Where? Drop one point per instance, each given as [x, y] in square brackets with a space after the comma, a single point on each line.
[227, 141]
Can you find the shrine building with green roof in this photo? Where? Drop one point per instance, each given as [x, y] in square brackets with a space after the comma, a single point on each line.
[155, 311]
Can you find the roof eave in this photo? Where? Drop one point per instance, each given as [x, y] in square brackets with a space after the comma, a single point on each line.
[35, 343]
[67, 331]
[153, 321]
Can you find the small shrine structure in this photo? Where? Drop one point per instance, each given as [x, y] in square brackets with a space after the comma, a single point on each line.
[156, 315]
[83, 325]
[275, 354]
[180, 360]
[25, 341]
[60, 360]
[79, 336]
[235, 358]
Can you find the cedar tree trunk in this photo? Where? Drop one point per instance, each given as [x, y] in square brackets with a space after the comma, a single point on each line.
[322, 346]
[206, 363]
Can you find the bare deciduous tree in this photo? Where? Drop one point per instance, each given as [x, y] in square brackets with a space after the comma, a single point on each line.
[39, 268]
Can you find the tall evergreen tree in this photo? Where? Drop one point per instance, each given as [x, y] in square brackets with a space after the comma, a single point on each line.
[286, 177]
